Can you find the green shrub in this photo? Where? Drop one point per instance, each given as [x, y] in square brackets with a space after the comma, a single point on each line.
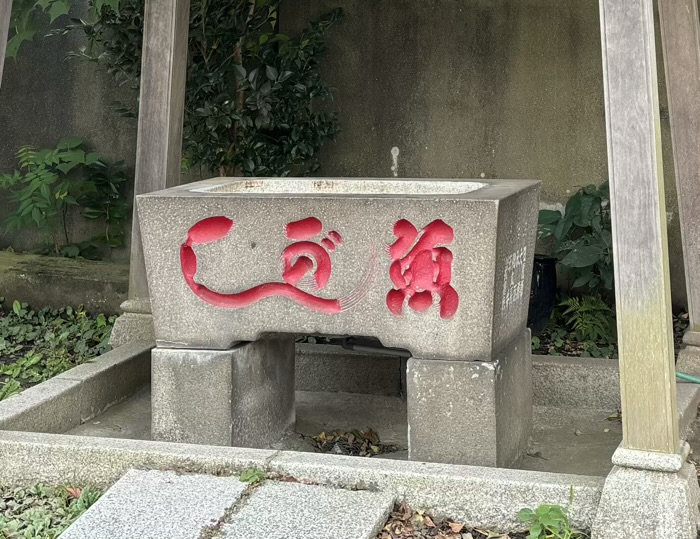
[252, 92]
[583, 238]
[48, 182]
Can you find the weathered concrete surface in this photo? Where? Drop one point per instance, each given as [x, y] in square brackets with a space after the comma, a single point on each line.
[53, 406]
[79, 394]
[560, 381]
[318, 412]
[44, 281]
[689, 357]
[503, 88]
[134, 324]
[206, 298]
[480, 497]
[157, 505]
[242, 397]
[130, 419]
[332, 368]
[102, 461]
[650, 504]
[111, 377]
[291, 510]
[477, 413]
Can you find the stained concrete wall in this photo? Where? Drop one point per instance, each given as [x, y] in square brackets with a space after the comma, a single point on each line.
[44, 98]
[473, 88]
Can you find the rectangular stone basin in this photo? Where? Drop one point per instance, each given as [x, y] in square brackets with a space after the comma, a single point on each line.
[439, 267]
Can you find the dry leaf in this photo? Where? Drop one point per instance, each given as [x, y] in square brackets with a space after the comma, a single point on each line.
[606, 430]
[467, 536]
[74, 492]
[456, 527]
[428, 521]
[578, 432]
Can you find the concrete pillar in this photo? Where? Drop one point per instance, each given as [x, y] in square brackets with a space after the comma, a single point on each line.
[680, 36]
[242, 397]
[652, 491]
[159, 144]
[471, 412]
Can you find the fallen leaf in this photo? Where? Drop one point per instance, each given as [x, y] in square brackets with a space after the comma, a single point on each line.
[606, 430]
[467, 536]
[428, 521]
[456, 527]
[74, 492]
[578, 432]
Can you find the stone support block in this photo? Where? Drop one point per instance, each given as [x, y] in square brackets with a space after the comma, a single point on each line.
[471, 412]
[656, 499]
[242, 397]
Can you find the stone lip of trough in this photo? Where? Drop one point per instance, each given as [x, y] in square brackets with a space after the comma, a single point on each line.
[212, 251]
[434, 188]
[480, 497]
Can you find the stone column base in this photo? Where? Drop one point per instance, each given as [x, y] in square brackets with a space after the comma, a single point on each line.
[689, 357]
[242, 397]
[656, 500]
[471, 412]
[134, 324]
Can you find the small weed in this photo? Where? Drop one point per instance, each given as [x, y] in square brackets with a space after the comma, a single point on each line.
[549, 522]
[253, 476]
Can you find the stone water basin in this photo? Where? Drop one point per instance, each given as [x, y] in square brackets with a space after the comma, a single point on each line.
[438, 267]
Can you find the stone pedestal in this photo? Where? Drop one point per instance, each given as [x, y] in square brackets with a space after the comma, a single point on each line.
[650, 495]
[471, 412]
[134, 324]
[242, 397]
[689, 357]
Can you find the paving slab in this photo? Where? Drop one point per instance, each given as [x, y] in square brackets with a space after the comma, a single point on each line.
[157, 505]
[293, 510]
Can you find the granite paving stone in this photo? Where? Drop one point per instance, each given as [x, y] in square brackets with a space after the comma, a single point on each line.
[292, 510]
[157, 505]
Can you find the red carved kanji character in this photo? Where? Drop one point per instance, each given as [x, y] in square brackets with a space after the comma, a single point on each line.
[305, 263]
[421, 267]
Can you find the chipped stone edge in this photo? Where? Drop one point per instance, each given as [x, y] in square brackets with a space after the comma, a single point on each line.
[480, 497]
[79, 394]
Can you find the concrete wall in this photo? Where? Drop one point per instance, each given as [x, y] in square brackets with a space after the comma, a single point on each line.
[473, 88]
[44, 98]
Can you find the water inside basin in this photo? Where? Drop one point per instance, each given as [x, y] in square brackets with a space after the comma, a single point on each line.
[314, 186]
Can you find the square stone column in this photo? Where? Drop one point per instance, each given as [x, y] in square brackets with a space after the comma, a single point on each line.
[471, 412]
[242, 397]
[651, 495]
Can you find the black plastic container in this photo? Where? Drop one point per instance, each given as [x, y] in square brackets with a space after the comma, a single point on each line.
[543, 293]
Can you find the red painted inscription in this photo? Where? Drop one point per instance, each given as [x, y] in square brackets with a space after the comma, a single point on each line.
[422, 267]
